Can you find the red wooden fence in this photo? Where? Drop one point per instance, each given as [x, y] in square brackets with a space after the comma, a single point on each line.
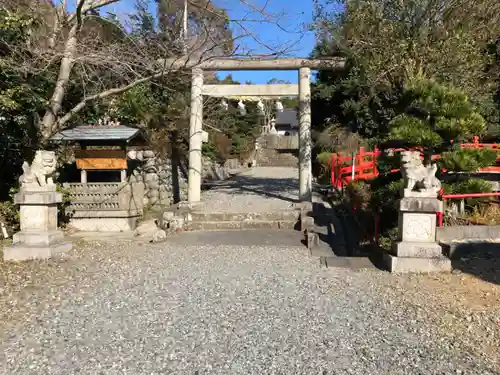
[365, 163]
[365, 167]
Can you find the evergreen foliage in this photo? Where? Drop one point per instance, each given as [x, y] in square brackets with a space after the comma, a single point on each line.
[467, 160]
[386, 43]
[434, 114]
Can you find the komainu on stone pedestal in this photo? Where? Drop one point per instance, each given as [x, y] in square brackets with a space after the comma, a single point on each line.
[41, 171]
[39, 237]
[419, 180]
[416, 249]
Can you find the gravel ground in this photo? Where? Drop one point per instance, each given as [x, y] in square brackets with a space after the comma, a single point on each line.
[254, 190]
[186, 307]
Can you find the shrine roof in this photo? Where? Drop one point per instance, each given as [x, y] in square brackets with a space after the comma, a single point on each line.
[97, 133]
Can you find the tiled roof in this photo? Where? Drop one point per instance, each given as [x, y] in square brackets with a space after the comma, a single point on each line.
[97, 133]
[287, 117]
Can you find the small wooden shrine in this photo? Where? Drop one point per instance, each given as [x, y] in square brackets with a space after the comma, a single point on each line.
[108, 202]
[101, 147]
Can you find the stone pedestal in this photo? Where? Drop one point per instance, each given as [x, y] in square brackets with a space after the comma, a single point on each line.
[39, 237]
[416, 249]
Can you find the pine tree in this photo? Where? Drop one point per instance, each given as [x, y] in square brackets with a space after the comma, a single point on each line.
[434, 114]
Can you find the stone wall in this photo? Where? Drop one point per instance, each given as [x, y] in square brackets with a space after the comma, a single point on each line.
[274, 158]
[279, 142]
[234, 164]
[165, 182]
[468, 233]
[213, 171]
[268, 155]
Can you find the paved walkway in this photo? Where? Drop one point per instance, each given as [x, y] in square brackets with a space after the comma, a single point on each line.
[255, 190]
[231, 303]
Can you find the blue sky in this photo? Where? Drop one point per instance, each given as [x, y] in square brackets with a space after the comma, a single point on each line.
[289, 32]
[291, 15]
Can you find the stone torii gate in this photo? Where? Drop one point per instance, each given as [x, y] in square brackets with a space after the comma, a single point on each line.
[303, 90]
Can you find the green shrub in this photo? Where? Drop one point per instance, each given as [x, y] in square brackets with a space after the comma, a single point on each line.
[386, 240]
[413, 131]
[474, 185]
[325, 159]
[467, 159]
[386, 194]
[9, 211]
[359, 191]
[385, 201]
[62, 216]
[386, 163]
[468, 187]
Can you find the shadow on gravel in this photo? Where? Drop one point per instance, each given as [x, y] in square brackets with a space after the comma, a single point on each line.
[478, 259]
[278, 188]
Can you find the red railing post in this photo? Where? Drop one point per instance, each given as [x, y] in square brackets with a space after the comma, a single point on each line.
[439, 219]
[332, 172]
[360, 161]
[340, 163]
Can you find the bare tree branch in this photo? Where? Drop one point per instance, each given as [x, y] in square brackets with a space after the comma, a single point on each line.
[64, 73]
[60, 12]
[98, 57]
[91, 5]
[114, 91]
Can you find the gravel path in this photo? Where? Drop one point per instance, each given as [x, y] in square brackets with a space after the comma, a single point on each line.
[186, 307]
[255, 190]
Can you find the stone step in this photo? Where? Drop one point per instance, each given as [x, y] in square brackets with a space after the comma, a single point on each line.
[283, 158]
[284, 215]
[279, 163]
[321, 250]
[352, 263]
[241, 225]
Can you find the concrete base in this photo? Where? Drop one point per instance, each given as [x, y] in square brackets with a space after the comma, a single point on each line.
[38, 238]
[20, 251]
[416, 249]
[416, 265]
[106, 224]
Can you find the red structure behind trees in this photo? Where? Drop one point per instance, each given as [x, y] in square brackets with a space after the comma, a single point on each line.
[362, 165]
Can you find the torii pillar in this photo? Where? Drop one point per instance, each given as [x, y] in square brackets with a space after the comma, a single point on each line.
[305, 163]
[195, 137]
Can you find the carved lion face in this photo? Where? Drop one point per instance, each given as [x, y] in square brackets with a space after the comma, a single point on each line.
[46, 160]
[406, 157]
[411, 158]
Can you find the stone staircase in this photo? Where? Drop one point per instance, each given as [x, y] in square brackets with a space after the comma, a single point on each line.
[285, 219]
[184, 218]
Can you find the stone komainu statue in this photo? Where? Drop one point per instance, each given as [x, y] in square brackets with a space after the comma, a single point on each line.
[41, 171]
[416, 175]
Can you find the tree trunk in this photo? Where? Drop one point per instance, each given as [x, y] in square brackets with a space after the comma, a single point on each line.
[47, 127]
